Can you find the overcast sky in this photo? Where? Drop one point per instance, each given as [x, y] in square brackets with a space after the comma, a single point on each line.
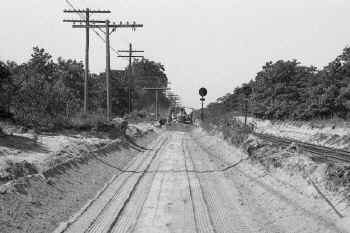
[217, 44]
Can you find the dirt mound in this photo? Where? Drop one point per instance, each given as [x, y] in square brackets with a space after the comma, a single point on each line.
[114, 129]
[333, 178]
[327, 133]
[21, 155]
[12, 170]
[38, 203]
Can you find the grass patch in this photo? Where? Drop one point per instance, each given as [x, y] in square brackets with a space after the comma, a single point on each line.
[1, 132]
[338, 176]
[233, 130]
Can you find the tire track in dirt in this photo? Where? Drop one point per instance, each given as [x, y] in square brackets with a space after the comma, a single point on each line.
[202, 218]
[168, 207]
[226, 215]
[133, 190]
[115, 184]
[283, 210]
[129, 215]
[256, 214]
[111, 200]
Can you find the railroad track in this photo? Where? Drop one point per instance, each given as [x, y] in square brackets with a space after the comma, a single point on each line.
[102, 214]
[321, 152]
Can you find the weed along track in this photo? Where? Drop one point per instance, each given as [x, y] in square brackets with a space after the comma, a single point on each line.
[179, 186]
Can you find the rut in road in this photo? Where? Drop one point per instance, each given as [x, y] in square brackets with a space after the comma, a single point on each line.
[108, 218]
[269, 205]
[168, 205]
[185, 202]
[225, 213]
[203, 220]
[110, 200]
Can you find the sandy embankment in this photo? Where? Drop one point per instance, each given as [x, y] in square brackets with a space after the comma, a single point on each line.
[38, 203]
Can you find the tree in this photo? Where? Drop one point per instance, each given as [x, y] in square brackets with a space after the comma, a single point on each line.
[46, 92]
[5, 85]
[147, 73]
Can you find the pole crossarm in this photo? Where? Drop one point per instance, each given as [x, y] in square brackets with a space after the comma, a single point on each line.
[134, 51]
[156, 88]
[129, 56]
[84, 11]
[87, 24]
[130, 70]
[87, 13]
[173, 97]
[82, 21]
[134, 25]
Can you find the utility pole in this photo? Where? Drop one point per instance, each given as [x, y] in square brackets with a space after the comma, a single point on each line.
[202, 110]
[156, 89]
[202, 92]
[174, 99]
[108, 70]
[174, 102]
[247, 90]
[87, 22]
[130, 71]
[107, 26]
[245, 111]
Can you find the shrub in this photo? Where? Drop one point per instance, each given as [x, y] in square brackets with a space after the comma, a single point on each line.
[87, 122]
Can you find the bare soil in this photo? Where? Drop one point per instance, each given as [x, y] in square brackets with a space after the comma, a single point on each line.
[37, 204]
[193, 182]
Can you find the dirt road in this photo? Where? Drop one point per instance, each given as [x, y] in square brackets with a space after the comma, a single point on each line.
[179, 186]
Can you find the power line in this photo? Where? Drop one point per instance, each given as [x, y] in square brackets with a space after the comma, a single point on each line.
[156, 89]
[98, 25]
[81, 15]
[87, 12]
[130, 55]
[107, 26]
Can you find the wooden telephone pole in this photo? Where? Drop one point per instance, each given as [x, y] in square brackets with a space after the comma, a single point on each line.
[107, 26]
[130, 71]
[87, 12]
[156, 89]
[174, 99]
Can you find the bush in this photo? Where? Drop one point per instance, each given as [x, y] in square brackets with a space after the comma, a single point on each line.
[87, 122]
[338, 176]
[14, 170]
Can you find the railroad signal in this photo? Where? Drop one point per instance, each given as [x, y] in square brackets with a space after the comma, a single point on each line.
[202, 92]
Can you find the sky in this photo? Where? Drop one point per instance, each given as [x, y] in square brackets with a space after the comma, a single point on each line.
[214, 44]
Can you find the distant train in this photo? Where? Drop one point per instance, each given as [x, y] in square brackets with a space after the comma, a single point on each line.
[180, 115]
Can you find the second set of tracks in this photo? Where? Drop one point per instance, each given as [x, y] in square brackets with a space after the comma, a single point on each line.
[321, 152]
[177, 187]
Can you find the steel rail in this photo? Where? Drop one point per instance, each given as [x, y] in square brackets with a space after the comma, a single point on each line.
[322, 152]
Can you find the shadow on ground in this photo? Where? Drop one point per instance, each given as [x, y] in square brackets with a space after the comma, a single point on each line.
[22, 143]
[179, 127]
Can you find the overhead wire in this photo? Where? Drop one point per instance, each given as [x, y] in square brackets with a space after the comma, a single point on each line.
[81, 15]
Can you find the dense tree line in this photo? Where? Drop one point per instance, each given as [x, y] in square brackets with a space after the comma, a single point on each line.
[45, 92]
[290, 90]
